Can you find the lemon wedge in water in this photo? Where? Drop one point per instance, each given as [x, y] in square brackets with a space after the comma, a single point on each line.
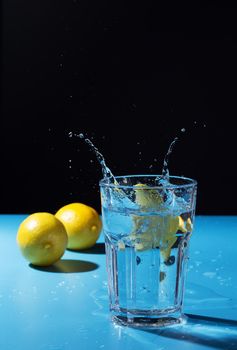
[153, 231]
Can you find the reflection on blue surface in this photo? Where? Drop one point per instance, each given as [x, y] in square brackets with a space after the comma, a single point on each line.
[197, 296]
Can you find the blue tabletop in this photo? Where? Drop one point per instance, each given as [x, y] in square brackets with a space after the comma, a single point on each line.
[65, 307]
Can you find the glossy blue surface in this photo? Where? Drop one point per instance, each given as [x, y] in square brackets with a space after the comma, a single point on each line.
[65, 307]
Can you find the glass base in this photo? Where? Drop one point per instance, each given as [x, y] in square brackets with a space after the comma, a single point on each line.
[149, 322]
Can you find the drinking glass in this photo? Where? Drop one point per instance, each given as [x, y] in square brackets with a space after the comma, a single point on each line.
[147, 225]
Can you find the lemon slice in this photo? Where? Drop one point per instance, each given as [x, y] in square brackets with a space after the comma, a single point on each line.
[154, 231]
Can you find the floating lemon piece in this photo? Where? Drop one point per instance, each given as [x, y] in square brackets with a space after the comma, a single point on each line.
[189, 225]
[154, 231]
[146, 197]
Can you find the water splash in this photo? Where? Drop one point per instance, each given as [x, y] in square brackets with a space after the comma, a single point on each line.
[165, 170]
[164, 178]
[107, 174]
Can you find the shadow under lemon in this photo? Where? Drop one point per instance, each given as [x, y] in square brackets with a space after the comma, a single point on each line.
[67, 266]
[98, 248]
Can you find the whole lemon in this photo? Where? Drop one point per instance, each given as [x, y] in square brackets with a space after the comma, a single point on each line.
[82, 223]
[42, 239]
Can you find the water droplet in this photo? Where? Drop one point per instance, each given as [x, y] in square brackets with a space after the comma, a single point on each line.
[70, 134]
[81, 136]
[155, 159]
[140, 152]
[209, 274]
[70, 167]
[49, 129]
[183, 129]
[70, 96]
[150, 166]
[69, 160]
[204, 125]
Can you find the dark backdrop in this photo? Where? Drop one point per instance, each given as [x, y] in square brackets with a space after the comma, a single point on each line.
[129, 75]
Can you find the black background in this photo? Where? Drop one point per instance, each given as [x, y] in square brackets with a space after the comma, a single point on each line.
[129, 75]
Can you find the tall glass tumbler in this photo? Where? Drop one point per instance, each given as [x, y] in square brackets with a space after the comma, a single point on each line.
[147, 227]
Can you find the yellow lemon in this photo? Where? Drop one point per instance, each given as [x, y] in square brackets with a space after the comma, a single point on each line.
[42, 239]
[82, 223]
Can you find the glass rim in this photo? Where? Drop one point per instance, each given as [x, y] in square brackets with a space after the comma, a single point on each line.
[190, 182]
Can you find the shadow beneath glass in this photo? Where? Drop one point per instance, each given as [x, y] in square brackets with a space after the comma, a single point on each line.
[98, 248]
[67, 266]
[209, 331]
